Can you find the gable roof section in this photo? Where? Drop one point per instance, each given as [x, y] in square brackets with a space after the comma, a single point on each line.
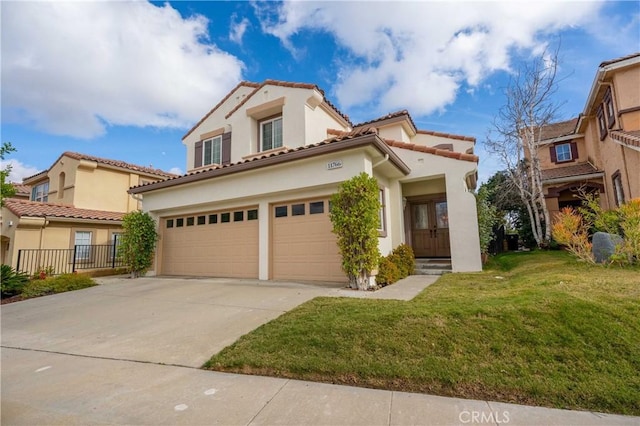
[107, 162]
[621, 59]
[629, 138]
[36, 209]
[559, 129]
[349, 140]
[392, 117]
[241, 84]
[286, 84]
[576, 170]
[447, 135]
[21, 189]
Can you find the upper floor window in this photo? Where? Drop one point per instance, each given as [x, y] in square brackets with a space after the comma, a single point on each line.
[608, 105]
[602, 125]
[40, 192]
[61, 178]
[618, 192]
[271, 134]
[563, 152]
[382, 222]
[212, 151]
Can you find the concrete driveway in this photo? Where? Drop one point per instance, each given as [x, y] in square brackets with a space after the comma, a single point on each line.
[159, 320]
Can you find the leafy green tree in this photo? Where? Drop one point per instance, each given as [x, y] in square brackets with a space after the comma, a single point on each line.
[354, 213]
[488, 217]
[138, 242]
[7, 190]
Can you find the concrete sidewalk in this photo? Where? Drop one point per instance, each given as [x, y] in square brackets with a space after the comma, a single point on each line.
[58, 389]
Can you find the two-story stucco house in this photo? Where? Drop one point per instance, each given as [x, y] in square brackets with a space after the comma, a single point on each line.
[262, 165]
[80, 199]
[599, 151]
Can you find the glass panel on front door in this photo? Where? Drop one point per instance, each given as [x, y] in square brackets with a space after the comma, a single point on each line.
[421, 216]
[442, 215]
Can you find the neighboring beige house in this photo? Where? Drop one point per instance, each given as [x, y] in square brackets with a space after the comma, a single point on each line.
[599, 151]
[80, 199]
[262, 165]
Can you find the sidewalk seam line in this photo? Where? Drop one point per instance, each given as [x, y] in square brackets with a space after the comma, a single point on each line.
[269, 401]
[390, 408]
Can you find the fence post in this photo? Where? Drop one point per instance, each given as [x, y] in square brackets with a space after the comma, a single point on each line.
[73, 265]
[113, 256]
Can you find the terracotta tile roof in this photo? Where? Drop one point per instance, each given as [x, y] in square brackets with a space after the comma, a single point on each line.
[568, 171]
[448, 135]
[107, 161]
[623, 58]
[627, 138]
[36, 209]
[389, 116]
[242, 83]
[288, 84]
[21, 189]
[360, 137]
[431, 150]
[556, 130]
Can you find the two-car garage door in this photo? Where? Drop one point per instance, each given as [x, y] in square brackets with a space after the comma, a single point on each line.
[225, 243]
[211, 244]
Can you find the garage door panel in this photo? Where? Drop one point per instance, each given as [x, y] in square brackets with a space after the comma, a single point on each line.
[214, 250]
[303, 246]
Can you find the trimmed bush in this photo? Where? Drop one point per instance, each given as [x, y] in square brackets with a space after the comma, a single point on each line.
[12, 281]
[404, 260]
[58, 284]
[398, 265]
[388, 272]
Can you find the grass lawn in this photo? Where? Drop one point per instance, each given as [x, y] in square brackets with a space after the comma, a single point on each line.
[534, 328]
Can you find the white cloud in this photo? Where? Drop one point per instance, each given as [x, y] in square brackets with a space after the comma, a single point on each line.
[417, 55]
[237, 29]
[19, 170]
[176, 171]
[74, 68]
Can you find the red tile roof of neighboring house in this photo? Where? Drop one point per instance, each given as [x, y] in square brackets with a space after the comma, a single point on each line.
[288, 84]
[577, 170]
[21, 189]
[627, 138]
[109, 162]
[559, 129]
[37, 209]
[431, 150]
[448, 135]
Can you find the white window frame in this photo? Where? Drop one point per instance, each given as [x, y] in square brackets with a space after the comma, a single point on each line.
[564, 155]
[215, 151]
[82, 253]
[40, 192]
[274, 142]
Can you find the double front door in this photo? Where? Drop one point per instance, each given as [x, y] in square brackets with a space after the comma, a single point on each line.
[430, 228]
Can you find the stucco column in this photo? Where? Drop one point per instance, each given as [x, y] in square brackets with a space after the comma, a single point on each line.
[264, 217]
[463, 226]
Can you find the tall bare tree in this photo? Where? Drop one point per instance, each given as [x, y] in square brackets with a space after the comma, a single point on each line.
[516, 135]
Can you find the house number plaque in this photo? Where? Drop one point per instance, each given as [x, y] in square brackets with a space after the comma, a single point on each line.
[334, 164]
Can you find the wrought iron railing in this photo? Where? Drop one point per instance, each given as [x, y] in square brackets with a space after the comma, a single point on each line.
[64, 261]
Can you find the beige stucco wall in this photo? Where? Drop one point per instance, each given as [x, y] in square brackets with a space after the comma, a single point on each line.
[626, 83]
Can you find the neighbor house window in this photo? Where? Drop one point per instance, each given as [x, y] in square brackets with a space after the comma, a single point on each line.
[382, 229]
[617, 188]
[40, 192]
[82, 244]
[563, 152]
[212, 151]
[271, 134]
[608, 104]
[61, 178]
[602, 125]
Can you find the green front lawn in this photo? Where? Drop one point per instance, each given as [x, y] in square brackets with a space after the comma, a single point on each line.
[534, 328]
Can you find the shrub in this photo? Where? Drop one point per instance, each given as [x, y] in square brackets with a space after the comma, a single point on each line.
[138, 242]
[12, 281]
[404, 259]
[388, 272]
[43, 273]
[354, 215]
[629, 214]
[571, 231]
[58, 284]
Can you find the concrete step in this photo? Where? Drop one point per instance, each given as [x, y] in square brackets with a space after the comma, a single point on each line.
[431, 271]
[432, 266]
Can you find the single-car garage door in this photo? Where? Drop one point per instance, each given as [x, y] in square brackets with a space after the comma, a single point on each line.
[303, 246]
[211, 244]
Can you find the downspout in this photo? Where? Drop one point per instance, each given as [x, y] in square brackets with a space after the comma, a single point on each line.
[385, 159]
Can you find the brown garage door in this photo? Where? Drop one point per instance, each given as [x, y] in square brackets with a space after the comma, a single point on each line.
[211, 244]
[303, 246]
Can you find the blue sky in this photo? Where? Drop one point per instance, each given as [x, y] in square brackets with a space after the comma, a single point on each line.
[126, 80]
